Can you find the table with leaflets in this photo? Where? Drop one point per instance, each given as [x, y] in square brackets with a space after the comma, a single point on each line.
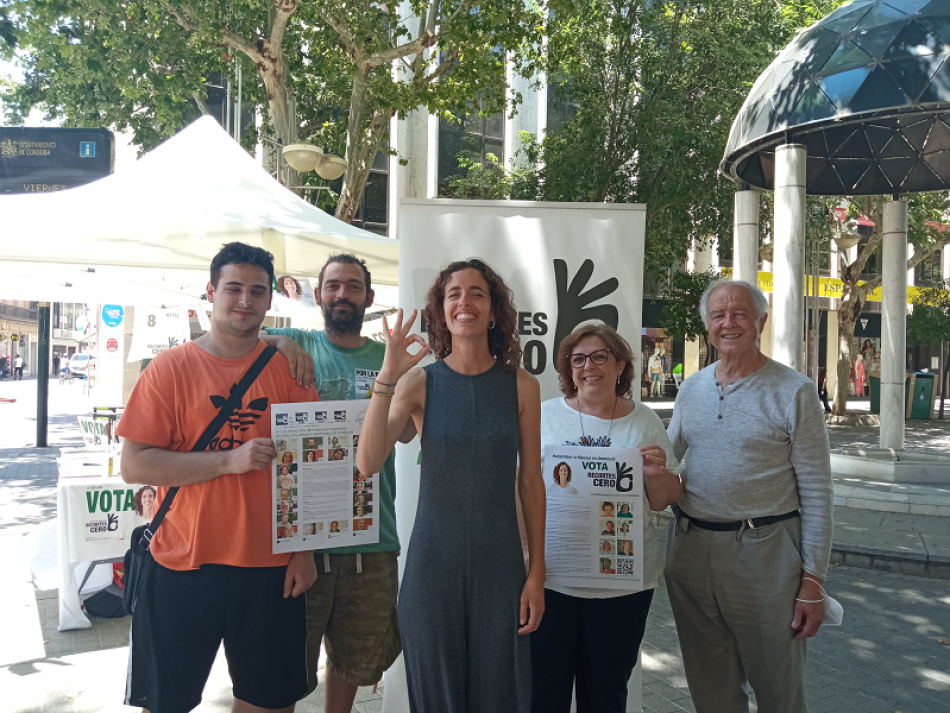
[96, 513]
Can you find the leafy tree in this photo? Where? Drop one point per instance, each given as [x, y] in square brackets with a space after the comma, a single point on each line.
[930, 324]
[655, 87]
[924, 212]
[8, 39]
[930, 321]
[144, 64]
[681, 318]
[490, 180]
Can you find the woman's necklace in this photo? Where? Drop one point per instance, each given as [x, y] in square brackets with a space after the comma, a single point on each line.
[585, 441]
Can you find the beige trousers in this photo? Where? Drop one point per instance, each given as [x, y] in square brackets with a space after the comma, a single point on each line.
[733, 596]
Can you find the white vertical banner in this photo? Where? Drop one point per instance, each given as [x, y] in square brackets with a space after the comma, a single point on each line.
[109, 360]
[156, 329]
[566, 263]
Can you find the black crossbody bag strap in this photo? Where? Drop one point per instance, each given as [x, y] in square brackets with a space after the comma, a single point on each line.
[233, 402]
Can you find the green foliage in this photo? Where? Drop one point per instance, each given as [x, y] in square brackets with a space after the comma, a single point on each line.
[144, 65]
[681, 318]
[127, 65]
[655, 87]
[491, 180]
[8, 38]
[930, 321]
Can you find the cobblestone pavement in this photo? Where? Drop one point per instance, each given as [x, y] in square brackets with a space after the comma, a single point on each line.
[886, 658]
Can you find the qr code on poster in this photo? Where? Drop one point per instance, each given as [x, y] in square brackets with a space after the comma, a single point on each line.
[625, 565]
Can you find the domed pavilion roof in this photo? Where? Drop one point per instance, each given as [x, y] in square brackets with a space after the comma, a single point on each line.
[867, 90]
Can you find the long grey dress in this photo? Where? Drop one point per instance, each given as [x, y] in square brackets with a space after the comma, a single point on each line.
[459, 602]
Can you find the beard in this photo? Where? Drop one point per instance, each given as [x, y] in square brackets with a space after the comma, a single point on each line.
[343, 323]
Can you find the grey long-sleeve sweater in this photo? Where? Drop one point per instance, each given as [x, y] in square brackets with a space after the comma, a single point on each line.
[758, 447]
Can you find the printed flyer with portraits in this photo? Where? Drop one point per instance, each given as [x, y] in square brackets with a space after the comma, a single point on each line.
[595, 513]
[320, 499]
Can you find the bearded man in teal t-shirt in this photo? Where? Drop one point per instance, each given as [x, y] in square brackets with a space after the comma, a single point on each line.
[353, 603]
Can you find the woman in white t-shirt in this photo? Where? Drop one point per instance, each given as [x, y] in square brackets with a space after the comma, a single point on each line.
[596, 372]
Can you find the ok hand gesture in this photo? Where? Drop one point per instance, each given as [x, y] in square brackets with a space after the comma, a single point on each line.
[398, 359]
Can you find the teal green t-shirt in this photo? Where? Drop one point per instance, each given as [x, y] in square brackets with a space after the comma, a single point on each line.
[348, 374]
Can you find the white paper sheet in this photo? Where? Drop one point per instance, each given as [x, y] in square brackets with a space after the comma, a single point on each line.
[594, 532]
[320, 500]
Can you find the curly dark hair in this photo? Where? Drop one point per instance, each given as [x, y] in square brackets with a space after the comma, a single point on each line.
[139, 505]
[503, 341]
[281, 285]
[617, 345]
[557, 468]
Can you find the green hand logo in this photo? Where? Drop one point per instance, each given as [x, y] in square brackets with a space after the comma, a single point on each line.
[572, 301]
[624, 478]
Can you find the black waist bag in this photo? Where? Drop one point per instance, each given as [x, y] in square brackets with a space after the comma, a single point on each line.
[138, 560]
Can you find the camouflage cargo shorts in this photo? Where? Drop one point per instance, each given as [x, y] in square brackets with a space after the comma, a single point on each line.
[356, 613]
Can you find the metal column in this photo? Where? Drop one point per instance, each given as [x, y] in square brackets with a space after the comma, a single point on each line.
[42, 376]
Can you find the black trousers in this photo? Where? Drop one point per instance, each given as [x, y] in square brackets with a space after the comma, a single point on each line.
[594, 642]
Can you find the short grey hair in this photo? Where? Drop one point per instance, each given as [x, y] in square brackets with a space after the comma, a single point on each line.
[758, 297]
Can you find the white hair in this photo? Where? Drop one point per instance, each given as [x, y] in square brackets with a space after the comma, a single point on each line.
[758, 297]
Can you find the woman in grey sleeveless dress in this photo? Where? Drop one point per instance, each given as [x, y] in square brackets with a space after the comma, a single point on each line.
[466, 602]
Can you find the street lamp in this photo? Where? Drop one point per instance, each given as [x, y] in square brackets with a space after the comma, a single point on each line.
[332, 167]
[307, 157]
[303, 157]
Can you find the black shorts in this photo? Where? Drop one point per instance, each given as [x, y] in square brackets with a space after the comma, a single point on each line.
[181, 619]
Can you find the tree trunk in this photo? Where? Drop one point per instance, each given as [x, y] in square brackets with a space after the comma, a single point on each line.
[361, 148]
[848, 312]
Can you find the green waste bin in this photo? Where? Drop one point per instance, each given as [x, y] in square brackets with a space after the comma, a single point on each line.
[920, 395]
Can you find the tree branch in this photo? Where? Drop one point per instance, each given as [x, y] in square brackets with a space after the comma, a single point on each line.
[346, 37]
[432, 16]
[202, 104]
[450, 58]
[283, 10]
[919, 257]
[421, 43]
[185, 18]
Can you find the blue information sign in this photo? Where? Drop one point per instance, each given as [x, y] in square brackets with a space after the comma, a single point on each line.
[87, 149]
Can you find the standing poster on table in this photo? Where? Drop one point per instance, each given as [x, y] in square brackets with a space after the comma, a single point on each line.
[103, 515]
[594, 532]
[320, 499]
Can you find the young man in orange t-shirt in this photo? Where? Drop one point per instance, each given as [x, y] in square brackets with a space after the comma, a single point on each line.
[215, 577]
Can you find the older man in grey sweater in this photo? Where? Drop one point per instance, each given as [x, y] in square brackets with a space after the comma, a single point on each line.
[749, 548]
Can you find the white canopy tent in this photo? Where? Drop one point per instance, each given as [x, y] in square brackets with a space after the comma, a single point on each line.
[172, 211]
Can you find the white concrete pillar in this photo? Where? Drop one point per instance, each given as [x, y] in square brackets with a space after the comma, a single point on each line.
[893, 324]
[526, 116]
[745, 237]
[788, 279]
[700, 258]
[409, 138]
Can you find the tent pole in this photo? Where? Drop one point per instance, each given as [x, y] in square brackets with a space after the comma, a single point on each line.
[240, 93]
[42, 376]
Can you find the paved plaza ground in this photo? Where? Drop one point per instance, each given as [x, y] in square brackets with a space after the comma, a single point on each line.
[888, 656]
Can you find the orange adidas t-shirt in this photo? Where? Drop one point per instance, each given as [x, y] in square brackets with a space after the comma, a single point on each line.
[227, 520]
